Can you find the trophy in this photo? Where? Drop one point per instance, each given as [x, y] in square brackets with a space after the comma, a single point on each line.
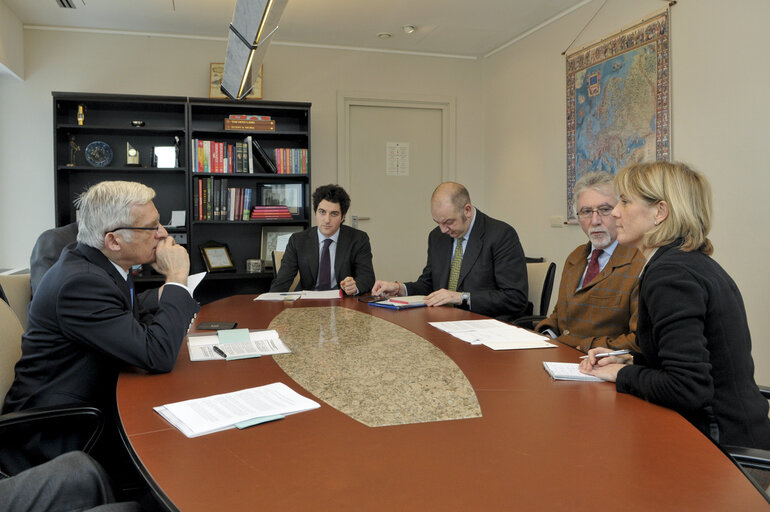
[132, 155]
[74, 148]
[81, 115]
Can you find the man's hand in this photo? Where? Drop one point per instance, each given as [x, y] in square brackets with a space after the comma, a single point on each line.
[442, 297]
[386, 288]
[349, 286]
[172, 261]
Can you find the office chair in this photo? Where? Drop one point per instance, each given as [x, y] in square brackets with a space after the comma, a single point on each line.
[540, 277]
[754, 463]
[23, 424]
[277, 258]
[17, 290]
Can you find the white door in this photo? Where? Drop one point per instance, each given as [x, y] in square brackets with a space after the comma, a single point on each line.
[395, 156]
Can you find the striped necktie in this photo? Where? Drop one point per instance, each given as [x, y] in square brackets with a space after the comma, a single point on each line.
[457, 262]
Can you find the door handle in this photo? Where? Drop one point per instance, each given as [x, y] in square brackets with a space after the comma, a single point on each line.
[356, 218]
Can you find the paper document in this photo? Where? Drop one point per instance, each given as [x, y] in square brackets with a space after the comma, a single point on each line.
[494, 334]
[305, 294]
[260, 343]
[219, 412]
[567, 371]
[194, 280]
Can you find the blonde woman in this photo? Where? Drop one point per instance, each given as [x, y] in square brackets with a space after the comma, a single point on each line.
[692, 330]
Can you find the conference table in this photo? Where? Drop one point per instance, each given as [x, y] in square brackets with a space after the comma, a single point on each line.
[527, 442]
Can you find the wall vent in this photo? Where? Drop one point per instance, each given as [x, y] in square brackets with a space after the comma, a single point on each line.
[66, 4]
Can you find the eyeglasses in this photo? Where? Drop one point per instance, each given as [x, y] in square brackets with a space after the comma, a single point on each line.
[154, 228]
[587, 213]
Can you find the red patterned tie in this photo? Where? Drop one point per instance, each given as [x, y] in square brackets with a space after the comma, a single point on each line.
[593, 267]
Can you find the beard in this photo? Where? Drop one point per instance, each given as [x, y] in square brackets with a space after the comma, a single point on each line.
[600, 238]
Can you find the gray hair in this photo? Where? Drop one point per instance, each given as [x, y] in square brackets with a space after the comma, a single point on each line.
[595, 180]
[107, 205]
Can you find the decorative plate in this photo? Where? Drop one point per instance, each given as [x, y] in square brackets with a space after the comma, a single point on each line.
[99, 154]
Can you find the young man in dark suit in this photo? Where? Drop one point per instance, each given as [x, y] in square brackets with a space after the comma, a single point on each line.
[85, 321]
[330, 255]
[474, 261]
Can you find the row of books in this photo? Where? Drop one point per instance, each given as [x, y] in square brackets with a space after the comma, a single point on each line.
[291, 160]
[214, 200]
[216, 157]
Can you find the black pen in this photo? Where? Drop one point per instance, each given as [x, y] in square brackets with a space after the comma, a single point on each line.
[219, 351]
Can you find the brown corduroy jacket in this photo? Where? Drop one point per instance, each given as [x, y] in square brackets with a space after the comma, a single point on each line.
[604, 313]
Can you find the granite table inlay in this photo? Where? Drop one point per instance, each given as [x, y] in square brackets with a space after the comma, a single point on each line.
[374, 371]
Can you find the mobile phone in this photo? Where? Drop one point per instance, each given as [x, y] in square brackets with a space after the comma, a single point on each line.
[216, 326]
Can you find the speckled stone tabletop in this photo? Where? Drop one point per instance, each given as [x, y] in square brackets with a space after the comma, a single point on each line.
[374, 371]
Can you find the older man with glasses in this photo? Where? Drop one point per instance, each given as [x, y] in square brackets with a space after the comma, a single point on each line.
[86, 322]
[598, 294]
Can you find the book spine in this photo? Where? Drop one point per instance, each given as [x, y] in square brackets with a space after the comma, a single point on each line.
[217, 184]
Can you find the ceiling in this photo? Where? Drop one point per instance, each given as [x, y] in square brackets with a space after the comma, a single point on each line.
[460, 28]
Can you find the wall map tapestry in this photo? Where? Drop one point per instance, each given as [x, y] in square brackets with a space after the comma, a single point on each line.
[618, 101]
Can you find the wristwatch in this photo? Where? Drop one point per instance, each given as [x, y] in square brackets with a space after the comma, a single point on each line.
[466, 298]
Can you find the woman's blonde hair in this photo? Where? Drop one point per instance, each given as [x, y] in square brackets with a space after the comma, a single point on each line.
[687, 194]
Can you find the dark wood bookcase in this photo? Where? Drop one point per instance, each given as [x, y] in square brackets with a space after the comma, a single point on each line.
[169, 121]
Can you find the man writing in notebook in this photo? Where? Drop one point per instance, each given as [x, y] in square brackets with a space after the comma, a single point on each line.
[475, 262]
[598, 294]
[330, 255]
[86, 322]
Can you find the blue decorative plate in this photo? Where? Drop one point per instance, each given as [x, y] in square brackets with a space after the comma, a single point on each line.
[99, 154]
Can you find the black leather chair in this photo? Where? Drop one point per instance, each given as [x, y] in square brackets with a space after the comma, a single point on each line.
[540, 275]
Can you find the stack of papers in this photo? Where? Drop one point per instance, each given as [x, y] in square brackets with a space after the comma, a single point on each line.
[567, 371]
[235, 344]
[494, 334]
[410, 301]
[309, 294]
[249, 406]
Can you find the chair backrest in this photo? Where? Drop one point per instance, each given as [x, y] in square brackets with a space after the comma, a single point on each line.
[277, 257]
[10, 346]
[19, 293]
[540, 276]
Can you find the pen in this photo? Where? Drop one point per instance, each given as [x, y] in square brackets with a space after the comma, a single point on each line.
[219, 351]
[395, 301]
[293, 293]
[605, 354]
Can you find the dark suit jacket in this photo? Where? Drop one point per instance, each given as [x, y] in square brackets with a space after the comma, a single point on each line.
[353, 258]
[602, 314]
[493, 268]
[82, 330]
[696, 349]
[47, 249]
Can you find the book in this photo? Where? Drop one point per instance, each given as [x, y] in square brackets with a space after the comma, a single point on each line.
[408, 302]
[567, 371]
[256, 126]
[264, 161]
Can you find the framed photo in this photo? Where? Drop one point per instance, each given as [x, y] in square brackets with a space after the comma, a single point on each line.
[217, 69]
[217, 257]
[283, 194]
[275, 238]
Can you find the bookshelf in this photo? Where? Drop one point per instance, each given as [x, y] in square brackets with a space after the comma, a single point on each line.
[147, 122]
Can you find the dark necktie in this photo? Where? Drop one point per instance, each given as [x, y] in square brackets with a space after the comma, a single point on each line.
[593, 267]
[130, 283]
[325, 269]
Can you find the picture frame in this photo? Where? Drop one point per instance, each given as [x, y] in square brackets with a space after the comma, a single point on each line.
[283, 194]
[270, 240]
[216, 257]
[217, 69]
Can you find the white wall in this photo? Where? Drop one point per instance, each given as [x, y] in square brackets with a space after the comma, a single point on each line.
[720, 104]
[11, 44]
[85, 62]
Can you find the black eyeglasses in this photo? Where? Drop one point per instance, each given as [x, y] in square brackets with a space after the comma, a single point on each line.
[155, 228]
[589, 212]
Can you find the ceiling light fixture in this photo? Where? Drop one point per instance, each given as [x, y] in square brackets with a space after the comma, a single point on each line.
[384, 35]
[408, 29]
